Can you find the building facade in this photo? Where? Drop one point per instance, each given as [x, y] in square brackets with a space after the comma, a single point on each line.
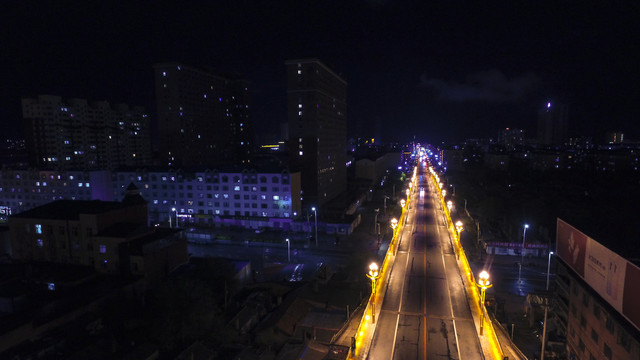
[76, 134]
[596, 299]
[203, 118]
[63, 231]
[317, 117]
[243, 196]
[552, 124]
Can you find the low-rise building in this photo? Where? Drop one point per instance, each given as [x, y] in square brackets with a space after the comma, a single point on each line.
[239, 196]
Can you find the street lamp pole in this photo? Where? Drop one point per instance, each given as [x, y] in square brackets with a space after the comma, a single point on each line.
[524, 234]
[484, 284]
[459, 228]
[546, 309]
[315, 215]
[373, 275]
[173, 210]
[375, 220]
[288, 250]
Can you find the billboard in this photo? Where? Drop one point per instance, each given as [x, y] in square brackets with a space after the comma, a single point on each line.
[608, 273]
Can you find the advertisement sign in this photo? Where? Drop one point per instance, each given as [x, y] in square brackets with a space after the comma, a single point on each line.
[614, 278]
[572, 246]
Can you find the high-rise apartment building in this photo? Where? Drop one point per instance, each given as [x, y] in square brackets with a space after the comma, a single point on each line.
[76, 134]
[552, 124]
[203, 118]
[511, 138]
[614, 137]
[317, 115]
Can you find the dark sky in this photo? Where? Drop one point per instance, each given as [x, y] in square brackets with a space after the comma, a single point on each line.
[442, 70]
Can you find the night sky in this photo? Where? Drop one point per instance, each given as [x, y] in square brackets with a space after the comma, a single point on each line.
[442, 71]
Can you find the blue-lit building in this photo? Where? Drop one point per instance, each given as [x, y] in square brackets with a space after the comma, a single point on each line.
[245, 197]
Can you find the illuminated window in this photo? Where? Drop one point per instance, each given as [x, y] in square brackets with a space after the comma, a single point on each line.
[276, 197]
[38, 229]
[103, 249]
[40, 242]
[300, 153]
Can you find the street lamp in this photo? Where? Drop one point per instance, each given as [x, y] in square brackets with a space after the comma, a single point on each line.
[408, 192]
[459, 228]
[524, 234]
[484, 284]
[394, 224]
[373, 275]
[546, 308]
[449, 205]
[288, 250]
[444, 192]
[403, 203]
[548, 268]
[173, 210]
[315, 216]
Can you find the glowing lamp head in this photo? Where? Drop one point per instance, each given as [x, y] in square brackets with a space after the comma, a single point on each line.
[373, 269]
[408, 192]
[402, 202]
[449, 204]
[459, 225]
[526, 226]
[483, 279]
[394, 223]
[313, 208]
[444, 193]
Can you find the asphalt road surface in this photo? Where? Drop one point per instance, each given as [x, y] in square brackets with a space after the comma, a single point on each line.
[425, 313]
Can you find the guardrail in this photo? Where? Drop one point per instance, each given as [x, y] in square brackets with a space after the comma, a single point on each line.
[367, 326]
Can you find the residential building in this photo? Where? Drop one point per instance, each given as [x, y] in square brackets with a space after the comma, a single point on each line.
[63, 231]
[317, 115]
[596, 298]
[22, 190]
[203, 117]
[235, 196]
[552, 124]
[244, 196]
[76, 134]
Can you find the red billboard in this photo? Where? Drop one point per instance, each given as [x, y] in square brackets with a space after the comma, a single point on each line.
[614, 278]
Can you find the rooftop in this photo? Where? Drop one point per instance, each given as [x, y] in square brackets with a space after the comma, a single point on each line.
[70, 209]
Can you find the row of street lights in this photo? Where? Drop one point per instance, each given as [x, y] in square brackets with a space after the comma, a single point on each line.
[483, 278]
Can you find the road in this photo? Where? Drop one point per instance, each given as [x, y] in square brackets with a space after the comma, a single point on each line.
[425, 313]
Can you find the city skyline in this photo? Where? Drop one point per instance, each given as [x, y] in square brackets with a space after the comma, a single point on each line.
[438, 72]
